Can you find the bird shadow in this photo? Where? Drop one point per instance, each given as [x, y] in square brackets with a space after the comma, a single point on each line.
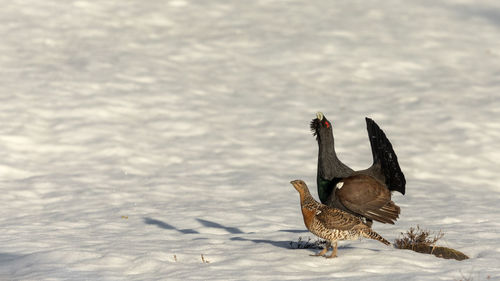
[281, 244]
[232, 230]
[206, 223]
[291, 245]
[165, 225]
[8, 257]
[478, 11]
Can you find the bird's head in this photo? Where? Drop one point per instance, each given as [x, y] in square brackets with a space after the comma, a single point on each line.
[321, 127]
[299, 185]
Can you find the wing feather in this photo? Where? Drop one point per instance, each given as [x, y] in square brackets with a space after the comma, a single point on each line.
[369, 198]
[336, 219]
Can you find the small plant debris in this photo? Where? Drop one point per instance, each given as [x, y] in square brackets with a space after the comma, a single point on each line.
[423, 241]
[175, 258]
[204, 260]
[303, 244]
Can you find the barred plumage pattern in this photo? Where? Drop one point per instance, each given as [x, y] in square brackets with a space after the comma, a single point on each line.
[330, 223]
[375, 236]
[318, 228]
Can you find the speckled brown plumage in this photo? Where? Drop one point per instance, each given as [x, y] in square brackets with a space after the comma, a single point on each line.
[330, 223]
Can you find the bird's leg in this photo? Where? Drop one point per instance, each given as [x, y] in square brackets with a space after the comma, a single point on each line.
[334, 252]
[323, 252]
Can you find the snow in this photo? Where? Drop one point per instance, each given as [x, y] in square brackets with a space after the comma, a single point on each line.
[138, 136]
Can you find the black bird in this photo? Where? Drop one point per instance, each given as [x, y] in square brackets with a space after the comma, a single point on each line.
[365, 193]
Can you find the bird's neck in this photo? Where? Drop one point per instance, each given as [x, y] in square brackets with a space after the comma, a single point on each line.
[306, 199]
[330, 168]
[327, 157]
[329, 165]
[325, 188]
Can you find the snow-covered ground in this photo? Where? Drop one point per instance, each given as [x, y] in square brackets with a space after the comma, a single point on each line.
[137, 136]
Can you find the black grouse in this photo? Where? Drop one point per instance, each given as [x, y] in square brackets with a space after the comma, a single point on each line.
[364, 193]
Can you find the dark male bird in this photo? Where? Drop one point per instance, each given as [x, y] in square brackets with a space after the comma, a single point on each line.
[330, 223]
[364, 193]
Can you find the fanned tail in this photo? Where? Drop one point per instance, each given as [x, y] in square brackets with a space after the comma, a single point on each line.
[368, 233]
[389, 213]
[384, 155]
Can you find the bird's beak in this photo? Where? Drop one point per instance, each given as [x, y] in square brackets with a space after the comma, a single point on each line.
[319, 115]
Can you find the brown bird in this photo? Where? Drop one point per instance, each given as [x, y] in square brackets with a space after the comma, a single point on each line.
[366, 196]
[330, 223]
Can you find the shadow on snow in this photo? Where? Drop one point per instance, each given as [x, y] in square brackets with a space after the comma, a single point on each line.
[165, 225]
[233, 230]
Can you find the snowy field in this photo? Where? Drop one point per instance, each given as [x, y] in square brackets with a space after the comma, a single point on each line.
[137, 136]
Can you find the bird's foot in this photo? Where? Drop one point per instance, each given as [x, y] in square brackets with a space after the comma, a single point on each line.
[323, 252]
[334, 252]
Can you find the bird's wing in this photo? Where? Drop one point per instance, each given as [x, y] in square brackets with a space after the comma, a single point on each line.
[336, 219]
[385, 162]
[368, 197]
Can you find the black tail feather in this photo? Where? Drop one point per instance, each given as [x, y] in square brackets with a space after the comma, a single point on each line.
[384, 155]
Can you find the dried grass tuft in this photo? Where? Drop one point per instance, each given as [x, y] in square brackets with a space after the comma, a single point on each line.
[423, 241]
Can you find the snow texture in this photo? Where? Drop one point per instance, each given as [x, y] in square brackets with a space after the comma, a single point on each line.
[138, 136]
